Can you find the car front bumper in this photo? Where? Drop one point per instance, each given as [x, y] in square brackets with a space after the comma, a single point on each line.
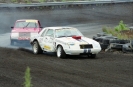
[82, 51]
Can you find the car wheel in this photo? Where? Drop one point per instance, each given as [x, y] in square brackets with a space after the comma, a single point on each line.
[60, 52]
[92, 55]
[36, 48]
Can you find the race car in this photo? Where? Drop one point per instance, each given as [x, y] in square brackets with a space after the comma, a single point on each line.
[64, 41]
[23, 30]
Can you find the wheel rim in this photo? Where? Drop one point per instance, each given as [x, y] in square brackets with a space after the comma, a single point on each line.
[35, 48]
[59, 52]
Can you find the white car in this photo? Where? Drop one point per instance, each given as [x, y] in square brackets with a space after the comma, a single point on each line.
[64, 41]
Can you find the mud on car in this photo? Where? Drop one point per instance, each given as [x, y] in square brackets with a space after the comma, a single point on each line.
[23, 30]
[64, 41]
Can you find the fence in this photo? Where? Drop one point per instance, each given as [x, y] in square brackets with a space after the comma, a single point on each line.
[37, 1]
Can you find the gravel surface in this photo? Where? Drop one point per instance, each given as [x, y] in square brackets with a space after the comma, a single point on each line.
[107, 70]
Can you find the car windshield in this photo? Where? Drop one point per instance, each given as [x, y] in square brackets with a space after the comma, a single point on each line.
[68, 32]
[23, 24]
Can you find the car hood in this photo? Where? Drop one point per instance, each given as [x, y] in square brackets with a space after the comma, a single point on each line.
[83, 40]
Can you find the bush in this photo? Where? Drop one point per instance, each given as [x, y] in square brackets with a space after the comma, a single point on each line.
[117, 31]
[121, 27]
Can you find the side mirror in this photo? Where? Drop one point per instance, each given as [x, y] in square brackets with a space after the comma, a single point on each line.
[12, 27]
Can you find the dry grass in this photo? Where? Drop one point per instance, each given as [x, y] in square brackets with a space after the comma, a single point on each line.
[124, 34]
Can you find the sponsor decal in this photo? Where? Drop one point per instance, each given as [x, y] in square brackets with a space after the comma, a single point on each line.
[47, 47]
[24, 36]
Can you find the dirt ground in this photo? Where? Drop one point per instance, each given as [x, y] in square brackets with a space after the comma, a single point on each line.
[107, 70]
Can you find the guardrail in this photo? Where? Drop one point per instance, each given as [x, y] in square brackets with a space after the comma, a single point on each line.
[72, 3]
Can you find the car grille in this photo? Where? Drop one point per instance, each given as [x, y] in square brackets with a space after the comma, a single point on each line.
[24, 34]
[86, 46]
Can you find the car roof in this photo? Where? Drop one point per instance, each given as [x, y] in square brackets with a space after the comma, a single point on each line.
[61, 27]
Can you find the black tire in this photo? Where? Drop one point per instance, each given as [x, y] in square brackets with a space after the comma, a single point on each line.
[60, 52]
[36, 48]
[124, 50]
[94, 37]
[92, 55]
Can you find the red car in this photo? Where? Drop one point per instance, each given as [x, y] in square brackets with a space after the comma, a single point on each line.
[23, 30]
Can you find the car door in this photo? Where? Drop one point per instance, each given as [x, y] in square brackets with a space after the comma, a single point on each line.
[41, 37]
[48, 41]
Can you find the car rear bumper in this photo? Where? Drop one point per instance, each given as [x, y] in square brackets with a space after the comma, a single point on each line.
[20, 42]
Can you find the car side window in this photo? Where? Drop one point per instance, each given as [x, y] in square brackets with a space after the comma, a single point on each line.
[50, 33]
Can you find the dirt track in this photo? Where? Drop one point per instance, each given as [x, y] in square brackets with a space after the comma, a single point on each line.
[107, 70]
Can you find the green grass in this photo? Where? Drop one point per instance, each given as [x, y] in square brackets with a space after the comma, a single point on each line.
[27, 1]
[121, 26]
[27, 78]
[13, 1]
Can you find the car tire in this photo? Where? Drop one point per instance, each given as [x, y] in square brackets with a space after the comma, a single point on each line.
[124, 50]
[60, 52]
[36, 48]
[92, 55]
